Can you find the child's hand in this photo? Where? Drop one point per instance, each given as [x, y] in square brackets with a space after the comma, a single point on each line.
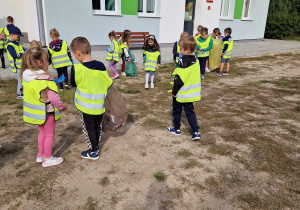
[222, 54]
[173, 95]
[129, 60]
[158, 65]
[65, 107]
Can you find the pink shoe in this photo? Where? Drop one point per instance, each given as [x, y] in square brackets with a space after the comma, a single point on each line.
[112, 76]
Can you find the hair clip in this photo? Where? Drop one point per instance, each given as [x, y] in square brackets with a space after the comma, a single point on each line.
[151, 37]
[34, 50]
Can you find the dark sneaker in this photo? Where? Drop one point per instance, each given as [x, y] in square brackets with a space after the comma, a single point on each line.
[202, 76]
[196, 136]
[226, 73]
[19, 96]
[174, 131]
[219, 74]
[90, 155]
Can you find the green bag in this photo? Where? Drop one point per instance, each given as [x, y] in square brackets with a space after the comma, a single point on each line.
[130, 67]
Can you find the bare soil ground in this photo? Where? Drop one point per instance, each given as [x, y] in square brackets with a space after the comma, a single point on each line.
[248, 156]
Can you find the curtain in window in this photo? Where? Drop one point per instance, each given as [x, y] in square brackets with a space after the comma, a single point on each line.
[226, 8]
[247, 7]
[140, 6]
[96, 4]
[110, 5]
[150, 6]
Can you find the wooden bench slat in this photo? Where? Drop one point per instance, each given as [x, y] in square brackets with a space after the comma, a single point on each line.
[138, 36]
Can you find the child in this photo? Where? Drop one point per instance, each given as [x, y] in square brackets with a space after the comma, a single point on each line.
[92, 82]
[187, 87]
[216, 34]
[204, 45]
[15, 52]
[41, 105]
[10, 24]
[124, 44]
[59, 56]
[176, 49]
[2, 41]
[227, 46]
[199, 29]
[151, 56]
[113, 54]
[35, 43]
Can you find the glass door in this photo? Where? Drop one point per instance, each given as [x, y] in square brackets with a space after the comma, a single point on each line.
[189, 16]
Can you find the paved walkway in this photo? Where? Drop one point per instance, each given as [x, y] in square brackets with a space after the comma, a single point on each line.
[240, 49]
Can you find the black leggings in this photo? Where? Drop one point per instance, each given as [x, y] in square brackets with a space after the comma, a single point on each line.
[2, 58]
[60, 71]
[92, 125]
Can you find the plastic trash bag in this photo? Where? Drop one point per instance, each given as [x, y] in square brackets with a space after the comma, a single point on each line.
[215, 55]
[130, 67]
[116, 112]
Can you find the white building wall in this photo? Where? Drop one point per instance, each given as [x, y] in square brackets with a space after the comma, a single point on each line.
[248, 29]
[32, 20]
[171, 21]
[207, 18]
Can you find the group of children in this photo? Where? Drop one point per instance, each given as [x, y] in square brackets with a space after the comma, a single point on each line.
[42, 105]
[204, 44]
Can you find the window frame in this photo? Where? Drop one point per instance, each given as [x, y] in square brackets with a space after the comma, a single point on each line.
[222, 10]
[249, 11]
[144, 13]
[102, 11]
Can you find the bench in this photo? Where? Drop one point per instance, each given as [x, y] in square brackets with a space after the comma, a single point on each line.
[136, 37]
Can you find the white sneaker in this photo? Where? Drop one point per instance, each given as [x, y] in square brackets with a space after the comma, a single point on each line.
[123, 74]
[61, 89]
[53, 161]
[39, 159]
[146, 86]
[152, 85]
[116, 76]
[207, 69]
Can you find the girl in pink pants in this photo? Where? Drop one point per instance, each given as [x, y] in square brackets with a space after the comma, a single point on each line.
[41, 103]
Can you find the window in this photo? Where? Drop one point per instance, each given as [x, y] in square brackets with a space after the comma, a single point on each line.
[246, 9]
[225, 8]
[147, 7]
[104, 7]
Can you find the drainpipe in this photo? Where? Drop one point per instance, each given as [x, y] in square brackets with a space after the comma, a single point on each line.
[40, 16]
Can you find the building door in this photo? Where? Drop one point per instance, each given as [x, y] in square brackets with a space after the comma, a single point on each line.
[189, 16]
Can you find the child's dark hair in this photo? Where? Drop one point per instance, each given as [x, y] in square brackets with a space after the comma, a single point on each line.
[126, 36]
[113, 34]
[188, 42]
[199, 28]
[204, 30]
[216, 31]
[10, 19]
[228, 30]
[81, 44]
[156, 45]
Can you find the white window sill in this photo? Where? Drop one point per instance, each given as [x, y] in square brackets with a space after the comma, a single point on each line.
[148, 15]
[228, 19]
[106, 13]
[247, 19]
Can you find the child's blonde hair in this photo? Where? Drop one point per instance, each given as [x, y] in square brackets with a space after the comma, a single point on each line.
[54, 32]
[199, 28]
[183, 34]
[35, 43]
[188, 42]
[30, 58]
[81, 44]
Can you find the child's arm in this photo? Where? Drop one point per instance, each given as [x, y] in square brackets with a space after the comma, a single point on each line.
[70, 56]
[50, 58]
[158, 60]
[13, 53]
[72, 77]
[177, 85]
[111, 48]
[55, 100]
[211, 44]
[175, 50]
[126, 54]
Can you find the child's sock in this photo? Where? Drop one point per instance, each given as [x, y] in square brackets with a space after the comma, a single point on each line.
[152, 78]
[39, 155]
[147, 78]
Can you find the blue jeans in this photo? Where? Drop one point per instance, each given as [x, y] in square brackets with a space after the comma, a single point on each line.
[202, 61]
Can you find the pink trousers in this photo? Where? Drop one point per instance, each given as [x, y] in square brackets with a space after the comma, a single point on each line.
[46, 137]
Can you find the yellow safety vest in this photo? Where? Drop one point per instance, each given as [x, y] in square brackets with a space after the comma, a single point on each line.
[191, 90]
[15, 63]
[61, 58]
[114, 55]
[34, 108]
[227, 53]
[91, 89]
[178, 51]
[203, 45]
[6, 32]
[1, 40]
[122, 46]
[197, 37]
[150, 64]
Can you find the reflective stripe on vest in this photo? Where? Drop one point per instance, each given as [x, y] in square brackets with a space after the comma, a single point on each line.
[91, 89]
[150, 64]
[34, 110]
[1, 40]
[15, 63]
[191, 90]
[204, 45]
[178, 51]
[114, 55]
[61, 58]
[227, 53]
